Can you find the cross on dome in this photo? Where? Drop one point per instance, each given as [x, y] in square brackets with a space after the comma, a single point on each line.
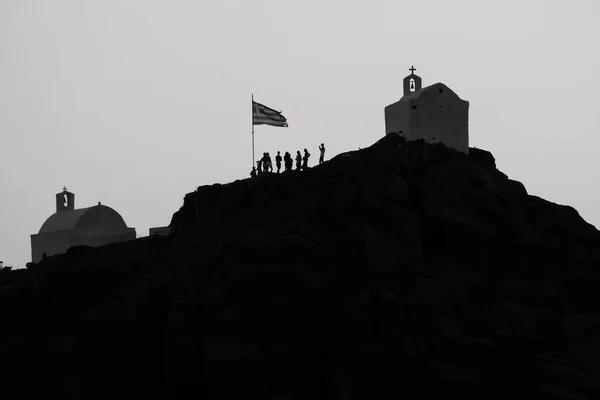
[64, 188]
[412, 69]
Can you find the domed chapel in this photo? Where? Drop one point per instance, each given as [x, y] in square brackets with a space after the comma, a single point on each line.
[92, 226]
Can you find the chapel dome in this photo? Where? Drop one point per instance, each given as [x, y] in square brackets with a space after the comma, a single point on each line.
[98, 217]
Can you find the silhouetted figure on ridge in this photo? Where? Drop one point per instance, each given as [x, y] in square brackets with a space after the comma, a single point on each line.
[305, 159]
[298, 160]
[259, 163]
[288, 161]
[268, 163]
[278, 161]
[265, 163]
[253, 172]
[322, 153]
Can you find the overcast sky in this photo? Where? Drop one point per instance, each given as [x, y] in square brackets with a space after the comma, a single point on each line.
[135, 103]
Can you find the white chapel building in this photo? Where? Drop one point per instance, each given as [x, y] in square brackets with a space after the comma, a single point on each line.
[434, 113]
[91, 226]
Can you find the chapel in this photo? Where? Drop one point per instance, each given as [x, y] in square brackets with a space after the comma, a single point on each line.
[92, 226]
[434, 113]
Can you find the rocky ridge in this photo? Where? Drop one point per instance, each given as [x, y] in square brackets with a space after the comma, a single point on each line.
[403, 269]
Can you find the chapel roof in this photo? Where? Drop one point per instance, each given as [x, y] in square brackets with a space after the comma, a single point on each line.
[70, 220]
[415, 95]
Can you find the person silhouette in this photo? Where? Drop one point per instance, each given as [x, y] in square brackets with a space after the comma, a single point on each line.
[268, 163]
[259, 163]
[322, 155]
[298, 160]
[265, 163]
[278, 161]
[253, 172]
[305, 159]
[288, 161]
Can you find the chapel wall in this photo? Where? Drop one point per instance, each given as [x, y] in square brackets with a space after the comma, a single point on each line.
[50, 243]
[96, 240]
[396, 119]
[440, 117]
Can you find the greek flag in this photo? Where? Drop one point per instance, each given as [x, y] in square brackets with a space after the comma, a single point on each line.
[263, 115]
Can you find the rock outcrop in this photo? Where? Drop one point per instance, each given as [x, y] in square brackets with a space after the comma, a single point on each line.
[404, 270]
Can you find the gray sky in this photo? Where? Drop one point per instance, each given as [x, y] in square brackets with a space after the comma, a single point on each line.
[136, 103]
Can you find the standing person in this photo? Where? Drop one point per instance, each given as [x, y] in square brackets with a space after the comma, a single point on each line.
[287, 159]
[265, 163]
[253, 172]
[305, 159]
[322, 155]
[259, 164]
[298, 160]
[269, 162]
[278, 161]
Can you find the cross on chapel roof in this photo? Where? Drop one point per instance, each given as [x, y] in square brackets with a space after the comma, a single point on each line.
[412, 69]
[64, 188]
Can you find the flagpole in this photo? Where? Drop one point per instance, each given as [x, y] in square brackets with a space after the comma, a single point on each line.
[252, 130]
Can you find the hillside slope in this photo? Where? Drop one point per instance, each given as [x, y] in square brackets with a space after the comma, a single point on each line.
[403, 269]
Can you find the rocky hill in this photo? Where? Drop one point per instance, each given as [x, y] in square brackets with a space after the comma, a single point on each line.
[404, 270]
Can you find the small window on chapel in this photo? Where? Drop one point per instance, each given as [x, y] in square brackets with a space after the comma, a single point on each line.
[412, 84]
[441, 91]
[414, 107]
[66, 198]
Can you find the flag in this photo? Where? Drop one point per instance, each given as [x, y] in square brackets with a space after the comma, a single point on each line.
[263, 115]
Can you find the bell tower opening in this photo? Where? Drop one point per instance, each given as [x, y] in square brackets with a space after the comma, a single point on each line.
[65, 201]
[412, 82]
